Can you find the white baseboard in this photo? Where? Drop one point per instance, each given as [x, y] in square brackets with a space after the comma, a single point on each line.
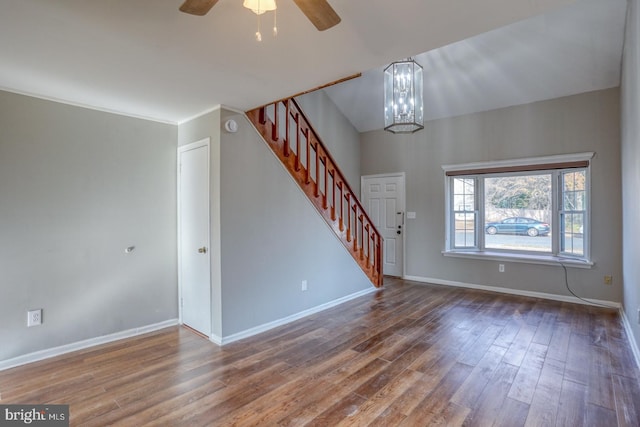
[267, 326]
[632, 339]
[216, 339]
[80, 345]
[543, 295]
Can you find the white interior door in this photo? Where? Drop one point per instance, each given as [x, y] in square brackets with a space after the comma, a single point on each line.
[194, 256]
[383, 197]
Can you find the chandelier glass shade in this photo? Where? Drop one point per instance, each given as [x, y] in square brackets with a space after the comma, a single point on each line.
[403, 106]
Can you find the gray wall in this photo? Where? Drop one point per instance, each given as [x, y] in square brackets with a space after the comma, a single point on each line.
[336, 132]
[272, 239]
[270, 236]
[631, 167]
[77, 187]
[587, 122]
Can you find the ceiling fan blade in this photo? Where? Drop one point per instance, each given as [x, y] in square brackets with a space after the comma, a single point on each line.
[197, 7]
[319, 12]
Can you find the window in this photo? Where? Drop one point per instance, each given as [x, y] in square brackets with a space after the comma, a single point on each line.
[517, 208]
[573, 212]
[465, 212]
[536, 208]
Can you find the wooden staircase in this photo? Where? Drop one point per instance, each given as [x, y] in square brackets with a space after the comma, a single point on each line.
[288, 132]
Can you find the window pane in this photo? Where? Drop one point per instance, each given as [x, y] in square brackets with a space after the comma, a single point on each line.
[572, 241]
[469, 202]
[572, 214]
[574, 190]
[463, 186]
[465, 226]
[518, 212]
[569, 200]
[464, 215]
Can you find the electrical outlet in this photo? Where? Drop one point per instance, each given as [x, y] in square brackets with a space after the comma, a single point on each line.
[501, 268]
[304, 285]
[608, 280]
[34, 317]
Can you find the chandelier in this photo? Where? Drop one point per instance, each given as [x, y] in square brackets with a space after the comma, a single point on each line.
[403, 109]
[259, 7]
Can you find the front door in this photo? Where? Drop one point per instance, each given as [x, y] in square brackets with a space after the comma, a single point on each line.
[193, 231]
[383, 198]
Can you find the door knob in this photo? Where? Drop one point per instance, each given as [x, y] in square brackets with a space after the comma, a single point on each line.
[202, 250]
[398, 232]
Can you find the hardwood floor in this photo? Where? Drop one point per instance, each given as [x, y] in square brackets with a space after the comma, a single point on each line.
[407, 355]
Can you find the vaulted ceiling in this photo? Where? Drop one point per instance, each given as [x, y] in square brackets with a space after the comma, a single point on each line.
[145, 58]
[569, 50]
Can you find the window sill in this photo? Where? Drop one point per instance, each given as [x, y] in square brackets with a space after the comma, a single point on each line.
[523, 258]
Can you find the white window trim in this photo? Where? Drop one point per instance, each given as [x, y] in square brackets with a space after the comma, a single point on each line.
[524, 257]
[561, 158]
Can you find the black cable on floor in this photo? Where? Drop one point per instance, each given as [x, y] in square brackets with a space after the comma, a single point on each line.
[566, 283]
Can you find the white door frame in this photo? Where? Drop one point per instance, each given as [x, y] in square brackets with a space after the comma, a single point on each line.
[404, 196]
[181, 149]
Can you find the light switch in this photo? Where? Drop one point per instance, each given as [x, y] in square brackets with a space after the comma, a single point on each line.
[411, 215]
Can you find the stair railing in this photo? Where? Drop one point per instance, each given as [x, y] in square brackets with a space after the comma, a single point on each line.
[293, 140]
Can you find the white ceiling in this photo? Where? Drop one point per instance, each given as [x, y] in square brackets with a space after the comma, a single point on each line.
[570, 50]
[145, 58]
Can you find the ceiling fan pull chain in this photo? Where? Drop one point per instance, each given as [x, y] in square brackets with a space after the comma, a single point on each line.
[275, 23]
[258, 34]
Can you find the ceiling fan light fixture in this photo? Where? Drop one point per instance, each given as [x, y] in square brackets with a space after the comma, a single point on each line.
[403, 105]
[260, 6]
[319, 12]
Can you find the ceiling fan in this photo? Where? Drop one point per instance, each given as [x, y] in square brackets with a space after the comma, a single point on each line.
[319, 12]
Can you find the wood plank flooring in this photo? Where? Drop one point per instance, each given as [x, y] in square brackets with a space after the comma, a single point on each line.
[408, 355]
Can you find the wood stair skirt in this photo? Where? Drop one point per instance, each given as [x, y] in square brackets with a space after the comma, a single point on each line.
[287, 131]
